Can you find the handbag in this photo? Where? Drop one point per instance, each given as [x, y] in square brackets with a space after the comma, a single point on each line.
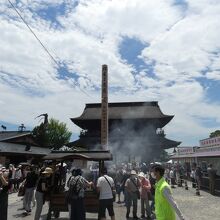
[138, 194]
[113, 191]
[149, 195]
[21, 191]
[137, 191]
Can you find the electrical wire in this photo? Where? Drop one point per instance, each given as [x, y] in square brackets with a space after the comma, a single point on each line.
[37, 38]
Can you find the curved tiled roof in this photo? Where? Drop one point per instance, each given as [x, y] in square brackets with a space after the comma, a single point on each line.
[148, 111]
[124, 110]
[7, 135]
[16, 149]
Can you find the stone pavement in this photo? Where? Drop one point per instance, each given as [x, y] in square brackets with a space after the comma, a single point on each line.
[193, 207]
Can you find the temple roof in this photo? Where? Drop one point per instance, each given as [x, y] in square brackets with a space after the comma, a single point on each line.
[19, 137]
[17, 149]
[124, 111]
[7, 135]
[162, 142]
[168, 143]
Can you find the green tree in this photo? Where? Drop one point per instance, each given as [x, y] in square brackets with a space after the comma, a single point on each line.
[215, 134]
[54, 135]
[164, 156]
[40, 135]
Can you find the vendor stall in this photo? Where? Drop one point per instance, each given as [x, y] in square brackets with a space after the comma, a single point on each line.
[56, 197]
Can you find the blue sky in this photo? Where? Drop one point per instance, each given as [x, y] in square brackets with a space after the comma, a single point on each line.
[166, 51]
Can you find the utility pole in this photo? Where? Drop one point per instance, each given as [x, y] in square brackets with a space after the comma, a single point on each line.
[104, 108]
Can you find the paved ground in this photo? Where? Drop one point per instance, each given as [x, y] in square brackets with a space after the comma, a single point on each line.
[204, 207]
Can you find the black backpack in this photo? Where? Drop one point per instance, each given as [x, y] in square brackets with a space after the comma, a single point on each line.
[72, 193]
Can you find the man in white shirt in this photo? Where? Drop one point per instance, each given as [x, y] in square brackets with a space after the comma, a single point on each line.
[105, 185]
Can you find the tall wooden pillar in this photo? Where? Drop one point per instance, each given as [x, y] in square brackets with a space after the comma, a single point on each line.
[104, 108]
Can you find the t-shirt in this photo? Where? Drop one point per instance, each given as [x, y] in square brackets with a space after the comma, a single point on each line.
[105, 189]
[18, 174]
[132, 184]
[40, 183]
[31, 180]
[125, 177]
[172, 174]
[119, 178]
[192, 174]
[145, 187]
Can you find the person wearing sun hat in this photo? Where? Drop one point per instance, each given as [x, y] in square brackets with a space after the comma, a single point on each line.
[42, 188]
[132, 186]
[48, 170]
[145, 192]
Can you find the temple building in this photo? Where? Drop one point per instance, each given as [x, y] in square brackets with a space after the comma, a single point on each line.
[19, 146]
[135, 129]
[208, 152]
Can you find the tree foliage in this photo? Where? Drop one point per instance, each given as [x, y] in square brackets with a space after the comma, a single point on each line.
[54, 135]
[215, 134]
[164, 156]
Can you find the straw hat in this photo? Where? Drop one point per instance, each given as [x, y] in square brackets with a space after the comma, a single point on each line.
[48, 170]
[133, 172]
[141, 174]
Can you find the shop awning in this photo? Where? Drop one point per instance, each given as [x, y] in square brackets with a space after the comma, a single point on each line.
[198, 154]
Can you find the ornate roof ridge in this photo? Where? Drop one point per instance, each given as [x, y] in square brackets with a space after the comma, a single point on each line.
[123, 104]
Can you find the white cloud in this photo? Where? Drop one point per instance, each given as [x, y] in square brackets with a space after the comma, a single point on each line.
[187, 45]
[141, 19]
[183, 43]
[215, 75]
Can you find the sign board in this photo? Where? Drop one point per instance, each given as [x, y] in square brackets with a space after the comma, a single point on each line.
[104, 108]
[210, 142]
[185, 150]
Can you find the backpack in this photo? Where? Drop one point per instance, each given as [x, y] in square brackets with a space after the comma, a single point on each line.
[72, 193]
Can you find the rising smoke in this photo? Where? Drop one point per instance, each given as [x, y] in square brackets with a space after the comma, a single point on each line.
[132, 139]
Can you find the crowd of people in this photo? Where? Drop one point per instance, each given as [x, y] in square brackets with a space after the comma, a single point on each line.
[178, 175]
[151, 184]
[26, 180]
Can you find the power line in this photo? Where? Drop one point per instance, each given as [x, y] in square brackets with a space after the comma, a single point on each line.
[33, 33]
[37, 38]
